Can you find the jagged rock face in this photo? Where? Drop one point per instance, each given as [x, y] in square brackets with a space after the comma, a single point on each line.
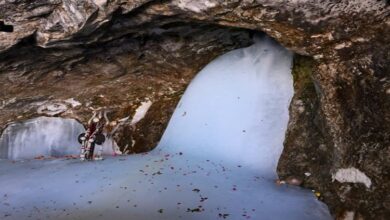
[115, 54]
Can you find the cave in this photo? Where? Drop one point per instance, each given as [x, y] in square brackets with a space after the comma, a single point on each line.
[117, 56]
[228, 126]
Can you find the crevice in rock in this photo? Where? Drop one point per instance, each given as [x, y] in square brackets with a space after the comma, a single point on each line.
[307, 153]
[6, 28]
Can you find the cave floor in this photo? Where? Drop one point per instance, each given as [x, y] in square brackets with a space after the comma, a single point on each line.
[148, 186]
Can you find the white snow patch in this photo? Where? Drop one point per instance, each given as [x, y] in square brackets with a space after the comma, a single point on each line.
[196, 6]
[141, 111]
[52, 109]
[100, 3]
[74, 103]
[351, 175]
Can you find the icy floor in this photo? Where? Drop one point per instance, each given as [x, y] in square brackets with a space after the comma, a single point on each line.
[154, 186]
[216, 159]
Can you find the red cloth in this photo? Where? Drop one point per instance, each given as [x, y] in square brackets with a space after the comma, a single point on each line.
[92, 128]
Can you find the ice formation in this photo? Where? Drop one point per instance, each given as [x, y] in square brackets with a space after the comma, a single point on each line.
[141, 111]
[216, 159]
[236, 109]
[43, 136]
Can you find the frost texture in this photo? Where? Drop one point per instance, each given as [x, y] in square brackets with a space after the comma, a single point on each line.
[216, 160]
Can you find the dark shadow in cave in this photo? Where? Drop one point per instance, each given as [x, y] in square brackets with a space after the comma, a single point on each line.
[6, 28]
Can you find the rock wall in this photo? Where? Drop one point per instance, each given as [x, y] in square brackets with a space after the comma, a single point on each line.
[109, 53]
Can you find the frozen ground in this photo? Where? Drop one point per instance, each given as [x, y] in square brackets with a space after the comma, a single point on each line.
[140, 187]
[216, 159]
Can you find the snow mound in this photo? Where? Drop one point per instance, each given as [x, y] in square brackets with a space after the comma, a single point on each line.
[236, 109]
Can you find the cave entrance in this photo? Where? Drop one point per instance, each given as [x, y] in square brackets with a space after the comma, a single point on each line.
[6, 28]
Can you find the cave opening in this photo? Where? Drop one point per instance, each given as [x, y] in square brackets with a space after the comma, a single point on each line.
[6, 28]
